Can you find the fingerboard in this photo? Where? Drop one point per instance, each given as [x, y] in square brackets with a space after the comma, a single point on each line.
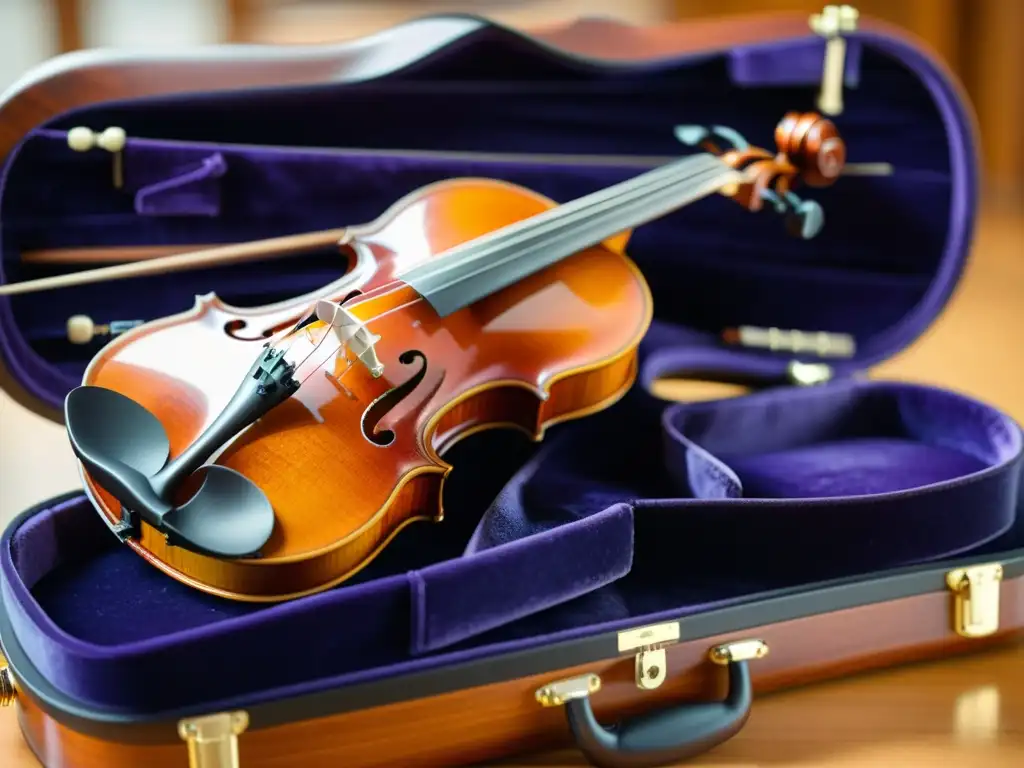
[470, 271]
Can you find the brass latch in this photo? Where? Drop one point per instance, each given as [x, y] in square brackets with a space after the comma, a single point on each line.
[649, 643]
[213, 739]
[976, 599]
[8, 691]
[831, 24]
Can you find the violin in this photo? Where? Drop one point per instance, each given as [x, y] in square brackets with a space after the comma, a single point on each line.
[269, 453]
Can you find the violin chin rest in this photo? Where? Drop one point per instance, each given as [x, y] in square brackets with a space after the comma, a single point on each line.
[123, 447]
[229, 516]
[105, 427]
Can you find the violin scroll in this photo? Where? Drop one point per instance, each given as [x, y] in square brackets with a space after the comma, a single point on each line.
[809, 150]
[812, 144]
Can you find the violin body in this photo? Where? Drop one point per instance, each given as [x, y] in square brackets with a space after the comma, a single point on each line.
[350, 459]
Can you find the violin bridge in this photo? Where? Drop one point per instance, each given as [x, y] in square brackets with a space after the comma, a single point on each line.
[352, 333]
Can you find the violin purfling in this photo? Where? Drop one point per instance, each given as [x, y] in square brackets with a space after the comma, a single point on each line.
[269, 453]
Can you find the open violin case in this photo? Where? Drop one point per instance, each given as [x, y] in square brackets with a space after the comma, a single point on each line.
[632, 583]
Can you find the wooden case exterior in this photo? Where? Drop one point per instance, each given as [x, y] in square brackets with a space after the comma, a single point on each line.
[492, 710]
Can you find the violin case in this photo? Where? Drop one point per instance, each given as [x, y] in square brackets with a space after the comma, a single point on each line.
[635, 582]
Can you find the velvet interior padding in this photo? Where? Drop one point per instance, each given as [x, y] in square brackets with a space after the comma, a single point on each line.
[640, 513]
[238, 166]
[697, 506]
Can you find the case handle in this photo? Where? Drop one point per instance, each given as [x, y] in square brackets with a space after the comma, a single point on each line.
[660, 738]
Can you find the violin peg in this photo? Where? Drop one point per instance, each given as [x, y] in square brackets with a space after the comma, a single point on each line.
[805, 219]
[691, 135]
[774, 200]
[81, 139]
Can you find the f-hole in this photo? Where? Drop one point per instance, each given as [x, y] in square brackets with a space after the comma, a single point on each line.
[384, 404]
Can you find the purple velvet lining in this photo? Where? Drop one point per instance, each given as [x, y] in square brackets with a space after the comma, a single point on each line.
[591, 531]
[581, 534]
[459, 599]
[190, 189]
[762, 65]
[710, 265]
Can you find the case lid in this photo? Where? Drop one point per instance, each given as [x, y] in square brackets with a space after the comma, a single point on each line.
[235, 144]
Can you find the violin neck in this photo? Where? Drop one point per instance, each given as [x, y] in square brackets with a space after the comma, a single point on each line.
[478, 268]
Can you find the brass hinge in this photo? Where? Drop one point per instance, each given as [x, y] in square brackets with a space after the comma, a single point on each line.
[976, 599]
[831, 24]
[649, 644]
[558, 693]
[213, 739]
[741, 650]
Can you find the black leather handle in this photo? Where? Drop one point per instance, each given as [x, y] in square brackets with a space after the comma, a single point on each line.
[667, 737]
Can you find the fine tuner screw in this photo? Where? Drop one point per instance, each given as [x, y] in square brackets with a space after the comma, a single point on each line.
[81, 328]
[113, 140]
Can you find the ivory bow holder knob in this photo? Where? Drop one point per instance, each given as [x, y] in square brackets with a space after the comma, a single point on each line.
[113, 140]
[81, 328]
[832, 23]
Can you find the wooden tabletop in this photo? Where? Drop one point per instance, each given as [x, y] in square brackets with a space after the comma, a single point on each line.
[963, 713]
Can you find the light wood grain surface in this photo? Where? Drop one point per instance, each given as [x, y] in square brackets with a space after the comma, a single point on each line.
[963, 713]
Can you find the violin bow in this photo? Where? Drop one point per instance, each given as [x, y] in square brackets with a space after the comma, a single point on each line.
[771, 176]
[255, 250]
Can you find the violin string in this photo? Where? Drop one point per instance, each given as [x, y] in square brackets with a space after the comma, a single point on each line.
[514, 266]
[556, 220]
[566, 214]
[631, 203]
[311, 337]
[626, 215]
